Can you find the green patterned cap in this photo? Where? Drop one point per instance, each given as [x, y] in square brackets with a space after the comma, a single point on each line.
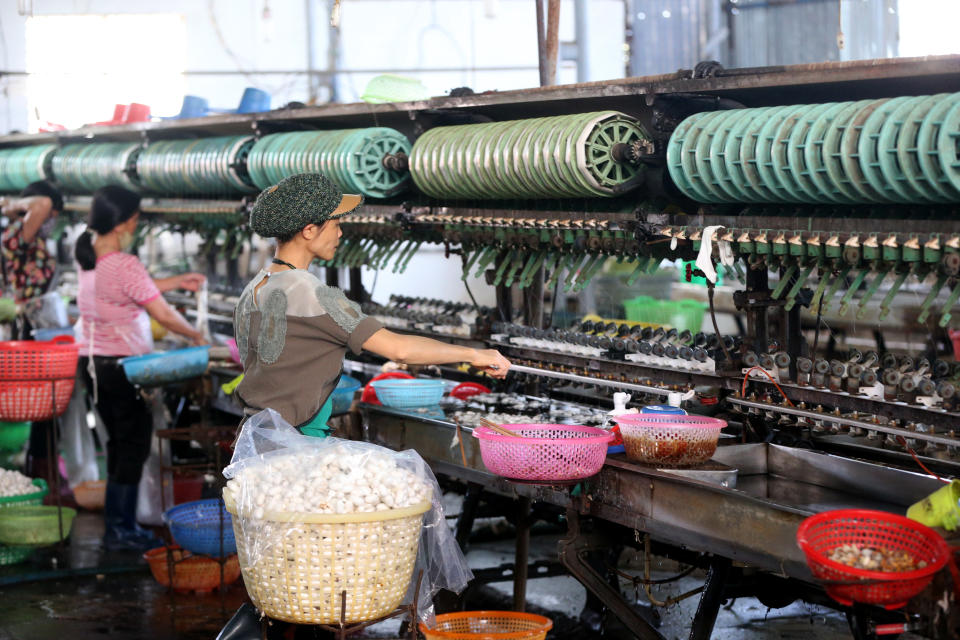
[297, 201]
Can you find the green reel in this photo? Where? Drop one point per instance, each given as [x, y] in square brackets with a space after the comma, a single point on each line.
[205, 166]
[571, 156]
[22, 165]
[84, 168]
[371, 161]
[900, 150]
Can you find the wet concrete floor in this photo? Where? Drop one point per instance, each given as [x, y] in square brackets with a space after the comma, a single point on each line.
[115, 596]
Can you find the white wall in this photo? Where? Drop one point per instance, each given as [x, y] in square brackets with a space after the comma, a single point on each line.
[235, 37]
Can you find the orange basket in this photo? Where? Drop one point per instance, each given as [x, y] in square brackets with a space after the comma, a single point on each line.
[91, 494]
[35, 376]
[191, 573]
[488, 625]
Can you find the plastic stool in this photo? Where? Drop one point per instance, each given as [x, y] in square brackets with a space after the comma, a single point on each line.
[254, 101]
[192, 107]
[136, 112]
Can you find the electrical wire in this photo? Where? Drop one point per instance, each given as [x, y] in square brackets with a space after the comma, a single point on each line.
[746, 376]
[716, 327]
[472, 299]
[903, 443]
[816, 333]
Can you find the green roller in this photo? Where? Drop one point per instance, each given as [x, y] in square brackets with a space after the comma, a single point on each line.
[84, 168]
[571, 156]
[205, 166]
[890, 150]
[20, 166]
[369, 161]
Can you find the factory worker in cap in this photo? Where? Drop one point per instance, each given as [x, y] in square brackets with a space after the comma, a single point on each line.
[293, 331]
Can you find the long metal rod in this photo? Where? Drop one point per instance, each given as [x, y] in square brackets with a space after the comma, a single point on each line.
[541, 44]
[825, 417]
[315, 72]
[572, 377]
[553, 40]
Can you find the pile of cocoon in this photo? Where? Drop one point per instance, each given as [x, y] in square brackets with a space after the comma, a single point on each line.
[13, 483]
[326, 482]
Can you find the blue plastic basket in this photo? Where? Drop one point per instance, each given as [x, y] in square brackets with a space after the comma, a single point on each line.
[409, 393]
[342, 396]
[195, 526]
[164, 368]
[45, 335]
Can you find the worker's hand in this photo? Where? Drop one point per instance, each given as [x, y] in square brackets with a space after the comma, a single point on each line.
[198, 340]
[490, 361]
[190, 281]
[10, 206]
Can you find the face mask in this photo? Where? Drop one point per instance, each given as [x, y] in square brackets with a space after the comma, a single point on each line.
[126, 240]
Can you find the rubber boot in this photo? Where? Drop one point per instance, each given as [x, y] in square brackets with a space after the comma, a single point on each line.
[129, 494]
[244, 625]
[120, 517]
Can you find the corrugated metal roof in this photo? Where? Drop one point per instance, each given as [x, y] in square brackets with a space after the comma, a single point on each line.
[671, 34]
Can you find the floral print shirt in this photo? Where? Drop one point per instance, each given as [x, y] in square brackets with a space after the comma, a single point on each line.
[30, 266]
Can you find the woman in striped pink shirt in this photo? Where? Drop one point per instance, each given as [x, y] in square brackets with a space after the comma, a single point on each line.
[116, 299]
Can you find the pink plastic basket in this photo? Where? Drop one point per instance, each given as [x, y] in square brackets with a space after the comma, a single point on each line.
[546, 453]
[669, 440]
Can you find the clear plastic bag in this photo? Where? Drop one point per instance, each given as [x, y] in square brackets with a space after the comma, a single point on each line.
[47, 311]
[79, 449]
[315, 517]
[153, 491]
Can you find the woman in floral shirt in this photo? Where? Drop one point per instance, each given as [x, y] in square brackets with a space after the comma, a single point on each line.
[28, 266]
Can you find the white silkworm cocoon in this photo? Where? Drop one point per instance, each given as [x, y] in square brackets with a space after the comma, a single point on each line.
[310, 482]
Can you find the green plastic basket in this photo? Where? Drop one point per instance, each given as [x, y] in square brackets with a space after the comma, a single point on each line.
[393, 88]
[14, 555]
[679, 314]
[13, 435]
[33, 526]
[27, 499]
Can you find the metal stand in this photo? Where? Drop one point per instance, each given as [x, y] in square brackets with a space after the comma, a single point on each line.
[342, 630]
[570, 548]
[711, 599]
[522, 555]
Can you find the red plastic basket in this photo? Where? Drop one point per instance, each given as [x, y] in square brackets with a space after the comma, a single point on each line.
[821, 533]
[34, 376]
[466, 389]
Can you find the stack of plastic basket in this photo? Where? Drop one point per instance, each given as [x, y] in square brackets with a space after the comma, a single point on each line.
[15, 554]
[36, 378]
[297, 565]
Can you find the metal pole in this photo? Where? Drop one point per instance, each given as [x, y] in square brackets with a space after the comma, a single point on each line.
[553, 39]
[541, 44]
[311, 78]
[522, 556]
[580, 16]
[333, 56]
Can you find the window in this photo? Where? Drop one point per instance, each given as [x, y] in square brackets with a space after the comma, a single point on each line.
[80, 66]
[928, 27]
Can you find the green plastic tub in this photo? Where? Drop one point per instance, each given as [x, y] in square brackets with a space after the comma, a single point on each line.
[34, 526]
[679, 314]
[13, 435]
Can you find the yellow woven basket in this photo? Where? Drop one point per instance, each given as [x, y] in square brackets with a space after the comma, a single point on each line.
[307, 560]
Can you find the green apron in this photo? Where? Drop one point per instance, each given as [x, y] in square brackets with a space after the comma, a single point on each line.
[317, 427]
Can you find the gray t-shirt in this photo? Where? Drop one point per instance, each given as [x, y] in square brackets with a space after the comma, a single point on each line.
[292, 333]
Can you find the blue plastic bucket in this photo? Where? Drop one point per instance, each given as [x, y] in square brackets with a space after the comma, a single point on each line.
[165, 368]
[342, 396]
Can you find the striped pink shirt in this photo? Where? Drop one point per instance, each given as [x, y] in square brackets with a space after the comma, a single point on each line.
[111, 299]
